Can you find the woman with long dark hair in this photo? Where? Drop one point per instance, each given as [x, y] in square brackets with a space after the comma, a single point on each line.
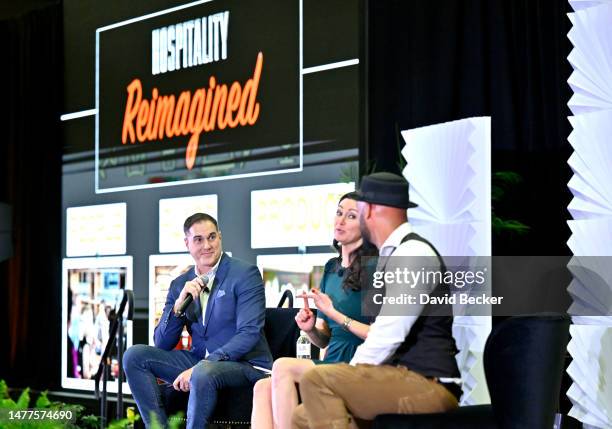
[339, 326]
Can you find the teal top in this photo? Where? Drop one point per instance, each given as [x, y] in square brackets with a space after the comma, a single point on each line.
[342, 343]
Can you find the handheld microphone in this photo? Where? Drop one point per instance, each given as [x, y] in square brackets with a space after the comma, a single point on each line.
[189, 298]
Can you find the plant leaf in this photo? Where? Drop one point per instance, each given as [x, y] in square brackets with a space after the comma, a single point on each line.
[497, 193]
[120, 424]
[89, 422]
[3, 390]
[500, 225]
[24, 399]
[154, 422]
[8, 403]
[349, 173]
[43, 401]
[176, 421]
[507, 177]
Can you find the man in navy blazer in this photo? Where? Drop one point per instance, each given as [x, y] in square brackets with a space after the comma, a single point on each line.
[227, 331]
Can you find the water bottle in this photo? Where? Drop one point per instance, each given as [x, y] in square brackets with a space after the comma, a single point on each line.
[302, 347]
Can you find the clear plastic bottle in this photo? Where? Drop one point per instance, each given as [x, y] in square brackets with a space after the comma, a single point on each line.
[302, 347]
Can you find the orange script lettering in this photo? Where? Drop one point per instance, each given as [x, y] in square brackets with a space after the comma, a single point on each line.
[207, 109]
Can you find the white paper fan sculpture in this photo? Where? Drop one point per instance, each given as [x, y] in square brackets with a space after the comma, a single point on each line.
[591, 58]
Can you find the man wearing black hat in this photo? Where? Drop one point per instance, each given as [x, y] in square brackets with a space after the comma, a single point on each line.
[407, 363]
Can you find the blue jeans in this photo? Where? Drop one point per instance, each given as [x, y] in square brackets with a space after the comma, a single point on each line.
[144, 364]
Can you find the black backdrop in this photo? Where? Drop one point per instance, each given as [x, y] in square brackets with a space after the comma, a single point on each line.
[434, 62]
[429, 62]
[31, 86]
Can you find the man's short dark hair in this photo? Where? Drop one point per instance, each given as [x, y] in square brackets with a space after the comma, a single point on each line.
[199, 217]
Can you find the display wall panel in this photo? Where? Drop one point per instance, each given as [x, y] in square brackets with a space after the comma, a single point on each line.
[96, 230]
[92, 289]
[332, 113]
[203, 82]
[294, 217]
[172, 215]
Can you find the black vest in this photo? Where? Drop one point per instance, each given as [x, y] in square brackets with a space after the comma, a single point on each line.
[429, 348]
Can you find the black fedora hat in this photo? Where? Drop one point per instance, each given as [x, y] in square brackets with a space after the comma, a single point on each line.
[386, 189]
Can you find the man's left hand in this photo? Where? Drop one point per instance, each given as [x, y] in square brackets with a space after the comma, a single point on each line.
[182, 381]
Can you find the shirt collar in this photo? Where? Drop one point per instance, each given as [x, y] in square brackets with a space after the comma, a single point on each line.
[212, 271]
[395, 239]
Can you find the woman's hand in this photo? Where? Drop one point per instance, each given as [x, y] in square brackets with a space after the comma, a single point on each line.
[305, 318]
[322, 301]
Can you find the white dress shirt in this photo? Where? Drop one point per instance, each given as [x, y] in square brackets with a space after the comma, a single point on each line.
[211, 278]
[387, 332]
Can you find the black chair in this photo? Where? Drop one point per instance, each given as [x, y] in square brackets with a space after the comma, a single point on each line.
[523, 361]
[234, 405]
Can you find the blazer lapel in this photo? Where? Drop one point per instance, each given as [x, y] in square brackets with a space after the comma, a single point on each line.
[218, 282]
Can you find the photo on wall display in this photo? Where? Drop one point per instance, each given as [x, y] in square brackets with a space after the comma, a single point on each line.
[163, 269]
[92, 290]
[296, 273]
